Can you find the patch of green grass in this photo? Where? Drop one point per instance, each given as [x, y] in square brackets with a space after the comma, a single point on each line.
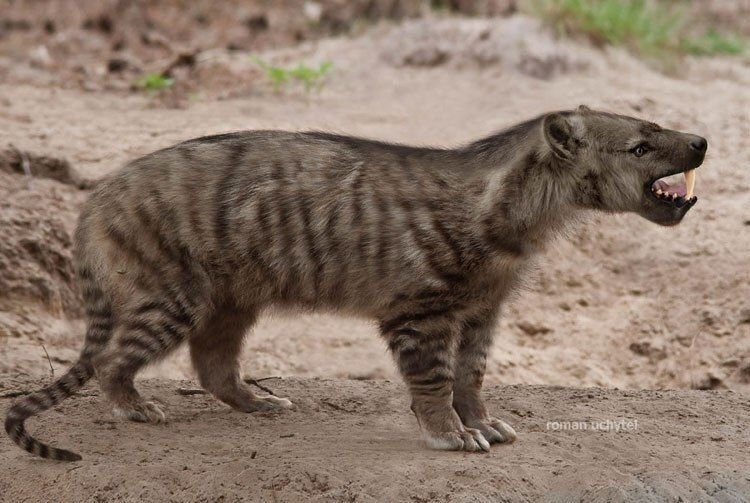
[310, 77]
[657, 30]
[153, 82]
[714, 42]
[649, 28]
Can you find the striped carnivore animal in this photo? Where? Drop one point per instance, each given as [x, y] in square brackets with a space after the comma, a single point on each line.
[192, 243]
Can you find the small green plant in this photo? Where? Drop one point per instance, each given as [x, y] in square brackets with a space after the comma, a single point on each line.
[277, 75]
[714, 42]
[153, 82]
[310, 77]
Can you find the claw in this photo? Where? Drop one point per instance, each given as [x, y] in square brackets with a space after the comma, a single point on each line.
[478, 437]
[494, 430]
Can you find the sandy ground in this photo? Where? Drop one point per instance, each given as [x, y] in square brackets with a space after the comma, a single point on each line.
[352, 441]
[621, 303]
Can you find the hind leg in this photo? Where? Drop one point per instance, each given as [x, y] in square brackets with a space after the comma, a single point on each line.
[145, 333]
[215, 352]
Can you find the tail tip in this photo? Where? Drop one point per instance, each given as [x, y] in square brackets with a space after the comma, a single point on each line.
[63, 455]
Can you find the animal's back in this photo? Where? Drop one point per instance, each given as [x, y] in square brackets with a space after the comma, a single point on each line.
[304, 219]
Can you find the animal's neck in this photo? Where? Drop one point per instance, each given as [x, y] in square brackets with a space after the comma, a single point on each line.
[526, 195]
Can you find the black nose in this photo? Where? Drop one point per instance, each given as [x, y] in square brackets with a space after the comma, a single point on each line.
[699, 144]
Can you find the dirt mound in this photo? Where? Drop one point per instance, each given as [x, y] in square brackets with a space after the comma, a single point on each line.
[357, 441]
[39, 301]
[515, 44]
[40, 166]
[35, 252]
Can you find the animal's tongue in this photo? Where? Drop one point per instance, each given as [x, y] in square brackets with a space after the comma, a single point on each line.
[678, 188]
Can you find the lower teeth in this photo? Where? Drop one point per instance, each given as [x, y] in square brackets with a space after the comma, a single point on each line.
[670, 197]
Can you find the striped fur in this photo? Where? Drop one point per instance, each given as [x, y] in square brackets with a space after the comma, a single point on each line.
[192, 243]
[40, 401]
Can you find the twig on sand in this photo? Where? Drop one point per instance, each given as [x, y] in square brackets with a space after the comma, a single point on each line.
[190, 391]
[14, 393]
[26, 166]
[24, 392]
[51, 370]
[254, 382]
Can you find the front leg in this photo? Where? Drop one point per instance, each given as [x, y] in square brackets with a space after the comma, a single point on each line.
[470, 365]
[424, 350]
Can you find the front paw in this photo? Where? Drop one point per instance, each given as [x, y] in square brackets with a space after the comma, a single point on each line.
[466, 439]
[496, 431]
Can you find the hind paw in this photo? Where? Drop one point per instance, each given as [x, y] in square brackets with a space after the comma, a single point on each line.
[146, 412]
[281, 403]
[264, 404]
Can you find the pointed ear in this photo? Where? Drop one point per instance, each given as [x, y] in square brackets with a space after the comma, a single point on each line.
[558, 132]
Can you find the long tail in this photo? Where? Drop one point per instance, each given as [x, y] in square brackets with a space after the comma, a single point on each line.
[98, 334]
[40, 401]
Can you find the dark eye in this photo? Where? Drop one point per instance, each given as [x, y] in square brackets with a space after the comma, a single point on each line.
[640, 150]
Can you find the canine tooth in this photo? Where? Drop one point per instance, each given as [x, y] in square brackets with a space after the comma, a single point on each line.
[674, 196]
[658, 191]
[690, 183]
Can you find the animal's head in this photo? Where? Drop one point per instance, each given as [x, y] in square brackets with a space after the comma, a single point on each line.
[622, 163]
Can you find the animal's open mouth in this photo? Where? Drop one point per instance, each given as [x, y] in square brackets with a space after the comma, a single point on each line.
[676, 190]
